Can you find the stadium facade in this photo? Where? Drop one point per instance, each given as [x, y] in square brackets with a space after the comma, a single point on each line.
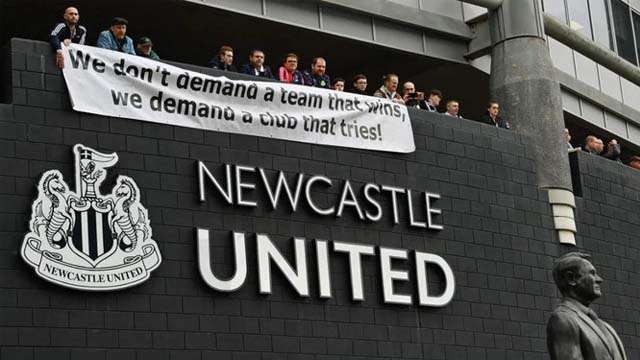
[461, 270]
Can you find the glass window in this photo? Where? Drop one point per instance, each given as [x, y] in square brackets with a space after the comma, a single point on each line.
[624, 32]
[636, 26]
[556, 9]
[600, 23]
[579, 17]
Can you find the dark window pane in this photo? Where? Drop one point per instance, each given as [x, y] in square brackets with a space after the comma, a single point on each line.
[624, 33]
[636, 26]
[579, 17]
[600, 23]
[556, 8]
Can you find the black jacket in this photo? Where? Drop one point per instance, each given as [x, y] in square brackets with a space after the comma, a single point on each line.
[215, 63]
[415, 103]
[316, 80]
[356, 91]
[501, 123]
[62, 32]
[248, 69]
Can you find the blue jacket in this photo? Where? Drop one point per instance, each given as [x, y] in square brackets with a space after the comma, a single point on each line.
[106, 40]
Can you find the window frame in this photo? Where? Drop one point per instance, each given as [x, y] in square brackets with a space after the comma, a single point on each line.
[612, 26]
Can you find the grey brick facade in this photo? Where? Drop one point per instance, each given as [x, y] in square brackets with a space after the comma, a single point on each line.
[498, 238]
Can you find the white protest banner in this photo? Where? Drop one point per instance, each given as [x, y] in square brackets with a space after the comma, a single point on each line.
[115, 84]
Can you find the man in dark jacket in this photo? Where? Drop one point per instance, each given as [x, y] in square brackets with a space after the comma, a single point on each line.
[256, 66]
[224, 60]
[359, 85]
[412, 98]
[594, 145]
[67, 32]
[318, 76]
[493, 118]
[144, 48]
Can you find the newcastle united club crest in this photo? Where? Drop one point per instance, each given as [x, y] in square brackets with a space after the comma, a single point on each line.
[85, 240]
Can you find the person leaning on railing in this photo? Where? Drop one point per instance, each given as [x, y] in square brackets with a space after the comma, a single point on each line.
[594, 145]
[433, 100]
[389, 88]
[338, 84]
[116, 38]
[493, 118]
[144, 48]
[359, 85]
[453, 109]
[288, 72]
[223, 60]
[67, 32]
[317, 77]
[256, 66]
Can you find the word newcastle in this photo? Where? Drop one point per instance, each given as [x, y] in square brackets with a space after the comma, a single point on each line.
[235, 185]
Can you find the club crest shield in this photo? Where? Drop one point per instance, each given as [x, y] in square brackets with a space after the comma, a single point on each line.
[85, 240]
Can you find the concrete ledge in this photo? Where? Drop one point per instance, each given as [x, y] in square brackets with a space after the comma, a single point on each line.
[563, 211]
[561, 196]
[563, 223]
[597, 97]
[407, 15]
[566, 237]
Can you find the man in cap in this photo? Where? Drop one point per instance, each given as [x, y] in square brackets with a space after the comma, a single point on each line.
[144, 48]
[116, 38]
[67, 32]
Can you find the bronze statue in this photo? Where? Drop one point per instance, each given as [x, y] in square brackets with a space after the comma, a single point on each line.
[574, 331]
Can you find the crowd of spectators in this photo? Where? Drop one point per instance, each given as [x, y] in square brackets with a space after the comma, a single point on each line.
[115, 38]
[595, 146]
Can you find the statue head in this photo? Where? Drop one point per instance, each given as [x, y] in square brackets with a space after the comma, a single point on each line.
[577, 278]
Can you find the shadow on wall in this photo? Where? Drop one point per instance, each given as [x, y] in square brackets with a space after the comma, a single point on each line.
[5, 75]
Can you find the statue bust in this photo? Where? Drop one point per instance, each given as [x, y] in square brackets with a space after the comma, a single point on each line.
[574, 331]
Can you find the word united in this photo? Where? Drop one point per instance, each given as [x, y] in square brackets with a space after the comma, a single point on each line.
[235, 184]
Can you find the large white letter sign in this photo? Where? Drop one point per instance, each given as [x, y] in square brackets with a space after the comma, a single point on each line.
[389, 275]
[267, 252]
[204, 262]
[422, 259]
[355, 265]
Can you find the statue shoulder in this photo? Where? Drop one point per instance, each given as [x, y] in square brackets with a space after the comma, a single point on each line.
[563, 320]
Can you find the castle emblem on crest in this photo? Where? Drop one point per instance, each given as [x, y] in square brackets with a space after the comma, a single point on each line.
[85, 240]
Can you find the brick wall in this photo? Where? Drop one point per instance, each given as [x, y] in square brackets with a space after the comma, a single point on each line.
[497, 238]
